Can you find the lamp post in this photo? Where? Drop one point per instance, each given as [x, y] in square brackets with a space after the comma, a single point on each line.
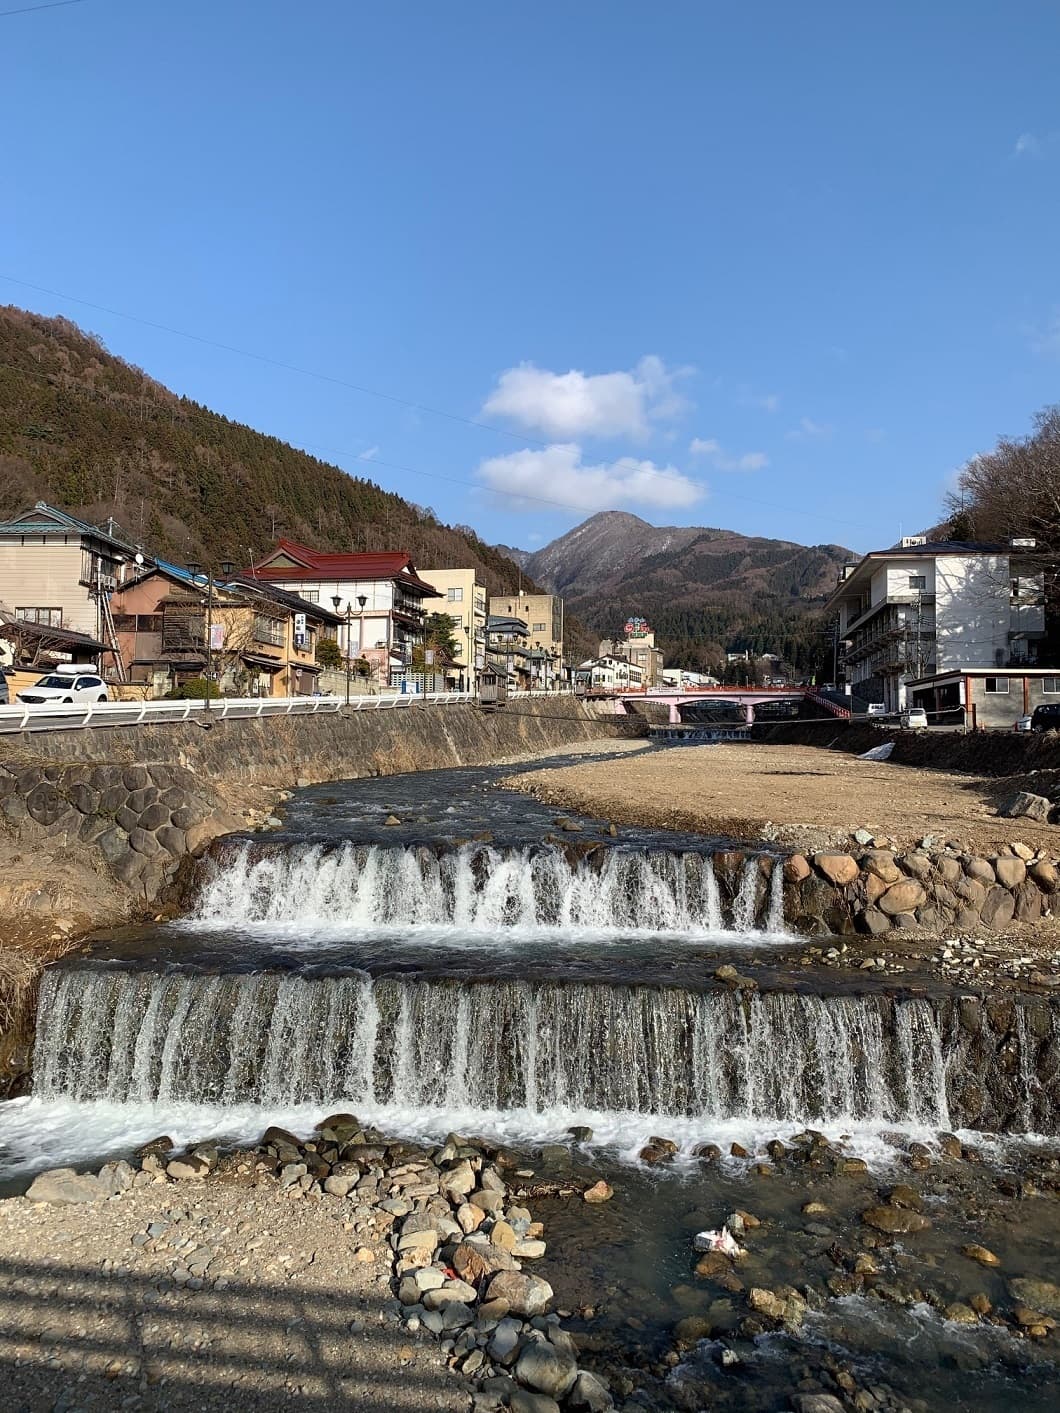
[195, 570]
[337, 601]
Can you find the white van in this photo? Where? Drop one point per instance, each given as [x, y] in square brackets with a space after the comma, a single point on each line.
[915, 719]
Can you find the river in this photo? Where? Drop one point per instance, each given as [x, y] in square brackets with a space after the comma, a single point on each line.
[482, 966]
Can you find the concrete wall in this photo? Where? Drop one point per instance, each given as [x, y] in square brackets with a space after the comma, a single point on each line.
[971, 610]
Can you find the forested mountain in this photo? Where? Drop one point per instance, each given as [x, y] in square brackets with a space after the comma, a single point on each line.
[85, 430]
[703, 590]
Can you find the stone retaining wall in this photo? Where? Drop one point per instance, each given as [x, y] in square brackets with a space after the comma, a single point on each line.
[94, 823]
[879, 889]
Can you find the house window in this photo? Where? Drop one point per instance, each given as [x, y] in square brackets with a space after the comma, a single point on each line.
[268, 630]
[47, 617]
[1051, 686]
[918, 582]
[539, 627]
[311, 595]
[455, 595]
[995, 685]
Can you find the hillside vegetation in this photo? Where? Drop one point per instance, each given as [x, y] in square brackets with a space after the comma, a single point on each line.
[83, 429]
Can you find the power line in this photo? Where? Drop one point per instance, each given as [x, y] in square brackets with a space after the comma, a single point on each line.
[417, 407]
[49, 5]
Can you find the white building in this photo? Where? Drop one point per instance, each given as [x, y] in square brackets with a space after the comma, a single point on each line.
[608, 674]
[463, 598]
[925, 608]
[380, 599]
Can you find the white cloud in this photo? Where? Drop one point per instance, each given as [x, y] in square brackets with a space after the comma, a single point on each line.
[369, 453]
[719, 458]
[577, 404]
[809, 431]
[557, 473]
[1027, 145]
[765, 402]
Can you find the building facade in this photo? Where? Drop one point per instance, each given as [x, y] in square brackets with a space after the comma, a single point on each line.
[463, 598]
[58, 573]
[925, 608]
[638, 648]
[263, 639]
[608, 674]
[508, 650]
[542, 614]
[380, 600]
[985, 698]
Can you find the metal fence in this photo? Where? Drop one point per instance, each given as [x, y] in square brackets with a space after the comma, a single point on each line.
[67, 717]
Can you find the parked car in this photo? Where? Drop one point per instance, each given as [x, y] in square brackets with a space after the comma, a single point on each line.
[78, 684]
[877, 709]
[1023, 724]
[915, 719]
[1046, 718]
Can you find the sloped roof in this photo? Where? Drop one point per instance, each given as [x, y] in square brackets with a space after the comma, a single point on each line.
[44, 518]
[318, 564]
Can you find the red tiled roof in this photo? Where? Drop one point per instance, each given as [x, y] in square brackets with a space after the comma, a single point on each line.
[318, 564]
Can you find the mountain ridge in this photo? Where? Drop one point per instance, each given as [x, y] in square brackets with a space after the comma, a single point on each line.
[704, 589]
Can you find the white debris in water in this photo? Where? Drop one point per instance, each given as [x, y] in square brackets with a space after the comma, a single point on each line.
[721, 1240]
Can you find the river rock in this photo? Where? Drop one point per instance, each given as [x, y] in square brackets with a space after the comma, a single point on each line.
[190, 1166]
[881, 863]
[460, 1179]
[816, 1403]
[999, 905]
[982, 1254]
[545, 1369]
[65, 1187]
[1010, 872]
[895, 1221]
[839, 869]
[1040, 1294]
[588, 1395]
[445, 1294]
[796, 869]
[473, 1261]
[599, 1192]
[980, 870]
[524, 1400]
[903, 897]
[1025, 805]
[526, 1295]
[1045, 875]
[504, 1340]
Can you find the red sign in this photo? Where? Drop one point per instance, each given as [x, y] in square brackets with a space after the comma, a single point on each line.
[636, 628]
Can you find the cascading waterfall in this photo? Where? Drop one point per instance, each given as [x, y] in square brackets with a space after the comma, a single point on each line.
[479, 888]
[274, 1039]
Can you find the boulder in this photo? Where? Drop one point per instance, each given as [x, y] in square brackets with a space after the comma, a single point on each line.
[1045, 875]
[839, 869]
[917, 865]
[526, 1295]
[599, 1192]
[1028, 902]
[190, 1166]
[796, 869]
[589, 1395]
[880, 863]
[65, 1187]
[1039, 1294]
[1025, 805]
[474, 1261]
[980, 870]
[545, 1369]
[999, 905]
[874, 922]
[903, 897]
[895, 1221]
[1010, 872]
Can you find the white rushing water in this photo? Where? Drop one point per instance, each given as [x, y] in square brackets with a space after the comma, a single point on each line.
[419, 1043]
[480, 890]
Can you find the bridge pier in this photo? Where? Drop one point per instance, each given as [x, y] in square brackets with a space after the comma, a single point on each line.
[749, 713]
[675, 714]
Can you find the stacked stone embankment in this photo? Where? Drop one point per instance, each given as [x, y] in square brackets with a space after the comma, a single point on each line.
[936, 889]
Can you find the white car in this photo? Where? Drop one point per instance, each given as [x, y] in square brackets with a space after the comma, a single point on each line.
[76, 686]
[877, 709]
[915, 718]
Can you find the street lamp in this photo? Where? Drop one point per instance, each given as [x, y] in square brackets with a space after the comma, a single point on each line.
[195, 570]
[337, 601]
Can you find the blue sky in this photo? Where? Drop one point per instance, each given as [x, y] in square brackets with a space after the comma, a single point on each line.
[780, 268]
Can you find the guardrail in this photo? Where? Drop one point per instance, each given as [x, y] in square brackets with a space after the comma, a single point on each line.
[66, 717]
